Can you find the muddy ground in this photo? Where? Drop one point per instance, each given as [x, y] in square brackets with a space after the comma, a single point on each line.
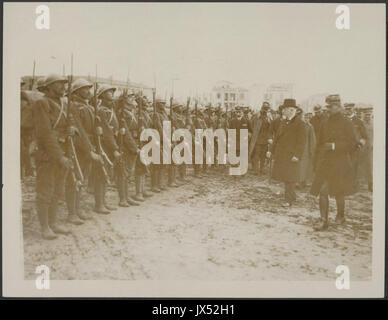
[215, 228]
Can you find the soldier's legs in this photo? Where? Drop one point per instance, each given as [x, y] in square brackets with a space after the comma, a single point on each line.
[154, 180]
[71, 196]
[289, 192]
[59, 175]
[99, 190]
[159, 176]
[262, 157]
[86, 168]
[121, 181]
[182, 172]
[340, 201]
[323, 207]
[44, 193]
[172, 176]
[256, 159]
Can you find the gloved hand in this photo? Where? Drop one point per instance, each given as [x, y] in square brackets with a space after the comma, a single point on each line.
[268, 154]
[294, 159]
[117, 154]
[329, 146]
[66, 162]
[96, 157]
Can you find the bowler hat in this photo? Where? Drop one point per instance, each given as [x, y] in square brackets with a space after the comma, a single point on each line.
[289, 103]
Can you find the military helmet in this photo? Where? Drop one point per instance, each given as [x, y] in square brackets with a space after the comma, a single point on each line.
[52, 78]
[41, 83]
[80, 83]
[104, 88]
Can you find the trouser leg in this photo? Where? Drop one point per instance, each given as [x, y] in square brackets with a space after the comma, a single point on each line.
[340, 201]
[71, 196]
[323, 207]
[262, 156]
[289, 192]
[59, 186]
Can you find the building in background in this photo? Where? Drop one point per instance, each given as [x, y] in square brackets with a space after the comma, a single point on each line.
[308, 104]
[228, 95]
[277, 92]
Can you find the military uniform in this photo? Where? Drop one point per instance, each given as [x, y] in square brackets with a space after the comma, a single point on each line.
[317, 119]
[198, 123]
[110, 124]
[334, 174]
[51, 127]
[83, 115]
[361, 136]
[262, 135]
[158, 170]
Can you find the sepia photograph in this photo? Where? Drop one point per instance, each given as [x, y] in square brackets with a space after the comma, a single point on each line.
[194, 149]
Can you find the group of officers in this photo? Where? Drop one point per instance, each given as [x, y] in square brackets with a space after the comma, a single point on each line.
[86, 138]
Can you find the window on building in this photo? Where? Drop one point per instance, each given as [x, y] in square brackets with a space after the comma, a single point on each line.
[232, 96]
[218, 96]
[242, 97]
[226, 97]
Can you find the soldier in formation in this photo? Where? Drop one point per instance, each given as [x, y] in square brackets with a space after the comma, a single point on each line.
[85, 135]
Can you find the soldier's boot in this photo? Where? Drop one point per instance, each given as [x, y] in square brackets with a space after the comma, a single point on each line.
[171, 177]
[53, 219]
[130, 200]
[70, 195]
[197, 171]
[139, 195]
[182, 173]
[255, 167]
[122, 194]
[154, 187]
[340, 218]
[105, 203]
[91, 184]
[324, 210]
[47, 233]
[146, 194]
[82, 214]
[261, 167]
[98, 196]
[159, 176]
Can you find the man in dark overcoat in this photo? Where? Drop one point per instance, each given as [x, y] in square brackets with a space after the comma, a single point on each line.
[288, 150]
[334, 174]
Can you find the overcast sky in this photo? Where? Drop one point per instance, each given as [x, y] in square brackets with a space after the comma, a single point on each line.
[199, 44]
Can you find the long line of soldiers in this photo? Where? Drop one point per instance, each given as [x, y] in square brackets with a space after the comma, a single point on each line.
[91, 136]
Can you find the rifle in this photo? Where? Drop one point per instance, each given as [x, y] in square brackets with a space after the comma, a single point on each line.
[270, 166]
[187, 112]
[33, 76]
[171, 113]
[154, 106]
[196, 112]
[98, 129]
[142, 166]
[76, 171]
